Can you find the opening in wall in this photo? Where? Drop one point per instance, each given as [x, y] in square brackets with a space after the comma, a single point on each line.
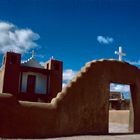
[119, 108]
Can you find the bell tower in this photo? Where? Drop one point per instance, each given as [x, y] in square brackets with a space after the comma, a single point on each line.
[11, 77]
[55, 78]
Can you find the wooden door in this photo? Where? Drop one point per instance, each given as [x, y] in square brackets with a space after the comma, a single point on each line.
[31, 84]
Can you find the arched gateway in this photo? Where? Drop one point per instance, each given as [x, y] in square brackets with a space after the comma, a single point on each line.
[81, 108]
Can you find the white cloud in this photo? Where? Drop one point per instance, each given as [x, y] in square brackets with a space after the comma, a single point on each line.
[42, 63]
[14, 39]
[64, 85]
[105, 40]
[68, 74]
[134, 62]
[119, 87]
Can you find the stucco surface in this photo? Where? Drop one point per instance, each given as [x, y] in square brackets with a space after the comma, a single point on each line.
[81, 108]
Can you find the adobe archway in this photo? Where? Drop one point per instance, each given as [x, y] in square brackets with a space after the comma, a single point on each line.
[81, 108]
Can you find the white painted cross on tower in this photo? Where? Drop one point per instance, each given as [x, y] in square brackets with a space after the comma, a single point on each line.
[120, 53]
[33, 53]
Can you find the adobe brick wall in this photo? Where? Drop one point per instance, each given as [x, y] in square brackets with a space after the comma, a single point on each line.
[81, 108]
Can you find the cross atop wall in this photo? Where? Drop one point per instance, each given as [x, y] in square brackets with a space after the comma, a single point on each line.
[120, 53]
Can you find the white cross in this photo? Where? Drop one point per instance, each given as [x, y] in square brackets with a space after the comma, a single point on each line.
[52, 58]
[33, 53]
[120, 53]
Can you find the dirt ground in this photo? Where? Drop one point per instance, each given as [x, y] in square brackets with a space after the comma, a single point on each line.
[89, 137]
[108, 137]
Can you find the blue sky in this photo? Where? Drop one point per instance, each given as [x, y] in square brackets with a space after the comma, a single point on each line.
[74, 31]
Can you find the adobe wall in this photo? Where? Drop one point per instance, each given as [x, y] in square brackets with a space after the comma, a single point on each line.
[81, 108]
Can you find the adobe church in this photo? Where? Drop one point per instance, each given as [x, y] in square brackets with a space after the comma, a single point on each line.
[86, 97]
[30, 81]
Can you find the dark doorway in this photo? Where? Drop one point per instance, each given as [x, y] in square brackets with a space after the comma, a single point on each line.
[31, 84]
[119, 108]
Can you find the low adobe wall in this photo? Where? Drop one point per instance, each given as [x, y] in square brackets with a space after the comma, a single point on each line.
[81, 108]
[26, 119]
